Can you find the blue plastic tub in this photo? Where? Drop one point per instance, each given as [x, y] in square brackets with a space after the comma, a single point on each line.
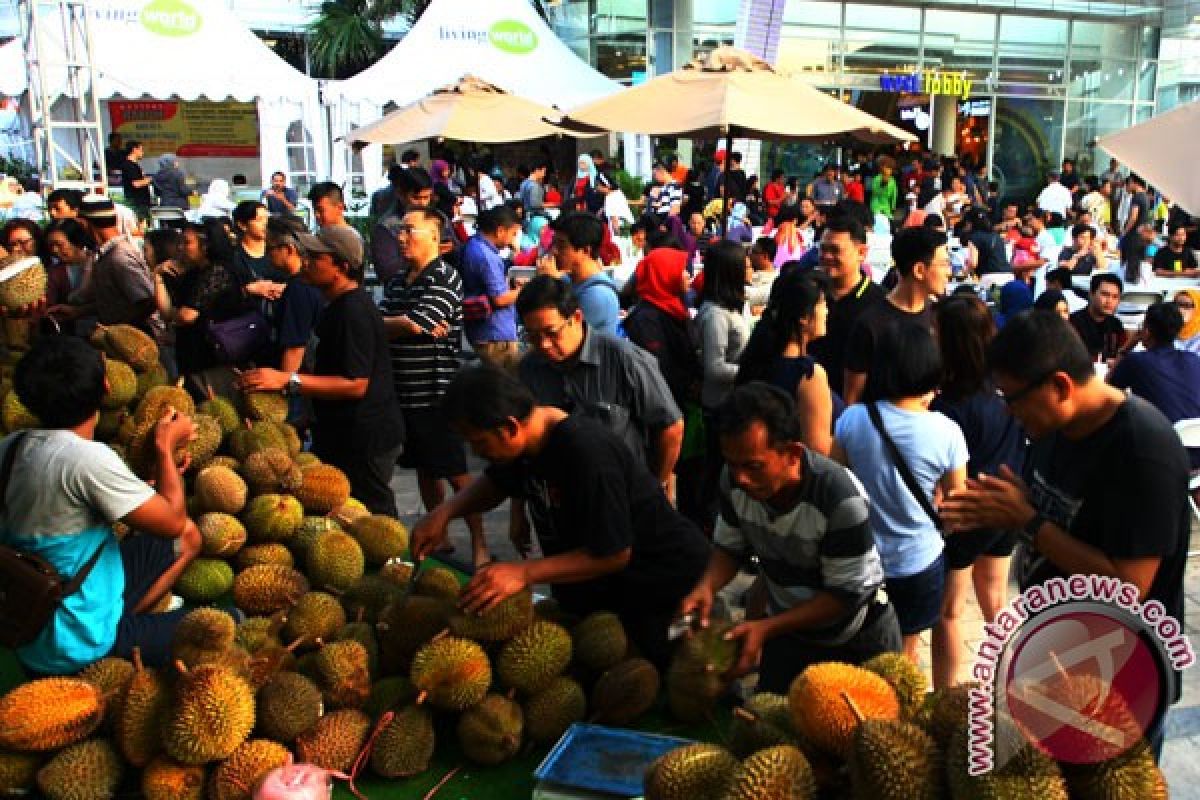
[603, 759]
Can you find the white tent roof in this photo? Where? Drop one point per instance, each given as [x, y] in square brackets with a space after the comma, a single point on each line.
[188, 49]
[504, 42]
[1162, 151]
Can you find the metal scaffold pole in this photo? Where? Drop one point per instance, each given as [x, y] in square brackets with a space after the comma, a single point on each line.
[63, 102]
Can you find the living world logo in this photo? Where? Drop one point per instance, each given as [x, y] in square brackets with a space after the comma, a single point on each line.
[951, 84]
[507, 35]
[171, 18]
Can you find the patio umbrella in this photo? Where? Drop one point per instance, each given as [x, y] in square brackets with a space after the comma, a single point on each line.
[472, 110]
[1161, 151]
[733, 93]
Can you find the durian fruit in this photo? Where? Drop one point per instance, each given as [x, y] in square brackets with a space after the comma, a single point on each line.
[600, 641]
[335, 741]
[368, 597]
[212, 713]
[111, 676]
[202, 629]
[453, 673]
[438, 582]
[223, 535]
[343, 673]
[220, 489]
[271, 470]
[534, 657]
[500, 623]
[555, 708]
[256, 633]
[764, 721]
[267, 588]
[272, 517]
[389, 694]
[306, 460]
[204, 580]
[148, 379]
[18, 771]
[1028, 774]
[696, 678]
[255, 436]
[364, 634]
[26, 287]
[944, 712]
[109, 424]
[322, 488]
[288, 705]
[15, 416]
[126, 343]
[137, 732]
[908, 681]
[223, 411]
[894, 760]
[692, 772]
[83, 771]
[347, 512]
[397, 572]
[207, 441]
[335, 561]
[405, 744]
[49, 714]
[271, 406]
[164, 779]
[268, 553]
[122, 385]
[624, 692]
[238, 776]
[311, 529]
[405, 628]
[821, 714]
[156, 402]
[381, 538]
[316, 615]
[490, 733]
[229, 462]
[1131, 774]
[777, 773]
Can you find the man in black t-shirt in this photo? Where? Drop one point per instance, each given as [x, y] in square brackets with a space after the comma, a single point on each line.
[135, 184]
[609, 538]
[357, 427]
[1176, 260]
[1097, 325]
[1077, 515]
[923, 264]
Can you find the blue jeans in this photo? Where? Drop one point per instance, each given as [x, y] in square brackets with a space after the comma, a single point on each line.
[145, 559]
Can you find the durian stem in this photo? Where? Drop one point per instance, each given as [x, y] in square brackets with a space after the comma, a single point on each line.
[853, 708]
[179, 665]
[421, 696]
[137, 660]
[438, 786]
[743, 714]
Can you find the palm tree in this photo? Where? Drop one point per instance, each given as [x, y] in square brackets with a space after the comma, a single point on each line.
[347, 35]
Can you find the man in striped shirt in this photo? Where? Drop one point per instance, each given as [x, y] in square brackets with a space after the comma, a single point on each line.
[804, 517]
[422, 308]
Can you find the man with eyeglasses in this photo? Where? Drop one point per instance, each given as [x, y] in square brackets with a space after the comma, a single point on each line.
[923, 264]
[1104, 489]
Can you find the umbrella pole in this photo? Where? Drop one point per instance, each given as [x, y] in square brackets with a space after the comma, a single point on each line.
[725, 183]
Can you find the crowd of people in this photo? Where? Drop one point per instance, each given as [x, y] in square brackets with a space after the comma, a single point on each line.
[873, 447]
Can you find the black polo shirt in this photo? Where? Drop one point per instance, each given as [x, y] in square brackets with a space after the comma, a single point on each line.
[830, 349]
[1101, 338]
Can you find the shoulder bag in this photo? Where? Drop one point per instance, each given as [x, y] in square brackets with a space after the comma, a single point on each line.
[902, 467]
[31, 589]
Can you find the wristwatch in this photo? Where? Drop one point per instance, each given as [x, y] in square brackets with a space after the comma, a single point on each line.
[1030, 531]
[293, 385]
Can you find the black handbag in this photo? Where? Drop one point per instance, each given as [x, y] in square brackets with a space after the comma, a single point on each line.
[31, 589]
[902, 467]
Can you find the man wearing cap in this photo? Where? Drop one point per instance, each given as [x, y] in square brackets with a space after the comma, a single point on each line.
[356, 426]
[121, 290]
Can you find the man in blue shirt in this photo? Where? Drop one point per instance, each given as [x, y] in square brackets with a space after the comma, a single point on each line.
[577, 240]
[280, 198]
[492, 328]
[1165, 377]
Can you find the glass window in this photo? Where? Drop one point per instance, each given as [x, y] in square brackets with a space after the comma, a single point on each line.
[1032, 50]
[715, 12]
[811, 37]
[1028, 139]
[812, 12]
[1105, 80]
[1147, 81]
[880, 38]
[619, 56]
[960, 40]
[301, 168]
[1086, 122]
[1093, 40]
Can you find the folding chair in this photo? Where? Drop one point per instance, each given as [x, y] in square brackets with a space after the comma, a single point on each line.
[161, 217]
[1189, 433]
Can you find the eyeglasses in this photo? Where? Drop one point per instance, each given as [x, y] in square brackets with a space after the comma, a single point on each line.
[1012, 399]
[545, 335]
[409, 230]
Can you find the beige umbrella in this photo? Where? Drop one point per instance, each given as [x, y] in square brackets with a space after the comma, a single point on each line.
[733, 93]
[473, 110]
[1160, 150]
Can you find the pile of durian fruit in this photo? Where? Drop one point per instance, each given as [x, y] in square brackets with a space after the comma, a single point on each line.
[336, 664]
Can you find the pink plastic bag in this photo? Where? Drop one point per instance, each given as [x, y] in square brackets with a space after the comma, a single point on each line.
[298, 782]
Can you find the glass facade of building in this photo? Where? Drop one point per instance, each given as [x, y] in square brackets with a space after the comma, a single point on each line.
[1046, 78]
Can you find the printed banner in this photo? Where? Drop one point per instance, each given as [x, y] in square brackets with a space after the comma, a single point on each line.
[200, 129]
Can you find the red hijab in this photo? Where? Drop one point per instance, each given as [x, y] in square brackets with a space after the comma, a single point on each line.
[658, 277]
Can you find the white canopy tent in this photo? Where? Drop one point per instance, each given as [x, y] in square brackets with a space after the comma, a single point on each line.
[1160, 150]
[503, 42]
[186, 50]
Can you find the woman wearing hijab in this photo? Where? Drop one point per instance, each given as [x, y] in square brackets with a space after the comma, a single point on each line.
[1054, 300]
[739, 229]
[439, 170]
[584, 196]
[216, 201]
[1188, 300]
[1015, 297]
